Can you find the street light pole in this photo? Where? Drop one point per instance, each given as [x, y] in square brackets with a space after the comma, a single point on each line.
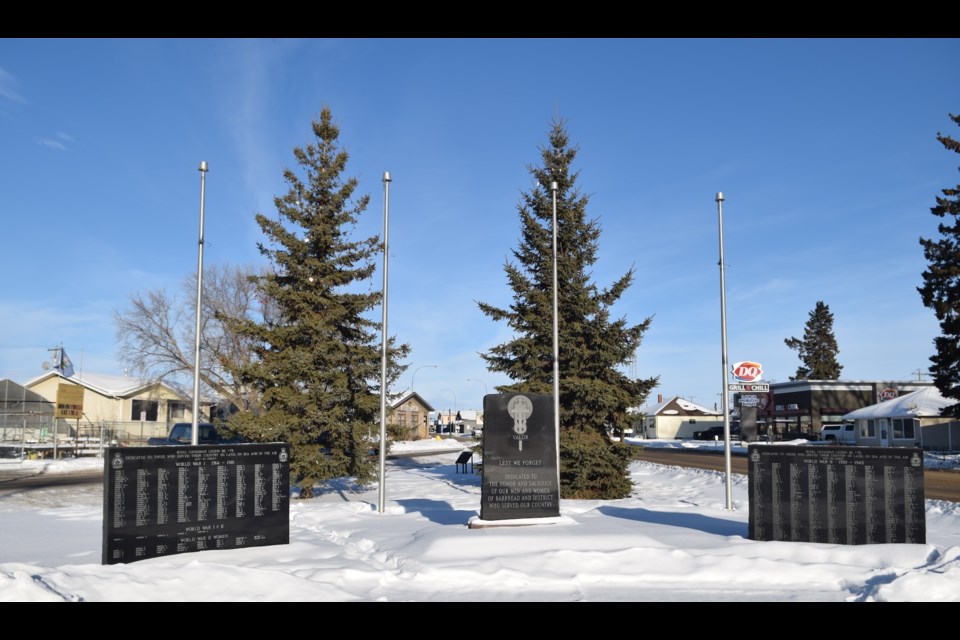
[723, 340]
[481, 382]
[414, 377]
[455, 406]
[195, 429]
[383, 341]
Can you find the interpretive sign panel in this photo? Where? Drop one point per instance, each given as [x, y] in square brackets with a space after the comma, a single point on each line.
[836, 494]
[519, 458]
[159, 501]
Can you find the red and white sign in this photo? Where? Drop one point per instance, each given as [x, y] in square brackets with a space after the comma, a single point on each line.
[747, 371]
[888, 394]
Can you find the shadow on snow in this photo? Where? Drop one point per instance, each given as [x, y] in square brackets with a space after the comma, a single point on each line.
[696, 521]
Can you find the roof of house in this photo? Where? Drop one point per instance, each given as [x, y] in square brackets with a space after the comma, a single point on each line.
[105, 385]
[407, 396]
[677, 406]
[923, 403]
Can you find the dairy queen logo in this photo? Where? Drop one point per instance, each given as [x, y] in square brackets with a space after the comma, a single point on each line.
[747, 371]
[888, 394]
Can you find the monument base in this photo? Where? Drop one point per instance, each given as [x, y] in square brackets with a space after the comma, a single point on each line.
[477, 523]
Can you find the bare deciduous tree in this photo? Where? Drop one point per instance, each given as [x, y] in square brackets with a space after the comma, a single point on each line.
[157, 332]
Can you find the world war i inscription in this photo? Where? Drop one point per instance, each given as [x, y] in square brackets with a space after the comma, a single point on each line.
[836, 494]
[160, 501]
[519, 458]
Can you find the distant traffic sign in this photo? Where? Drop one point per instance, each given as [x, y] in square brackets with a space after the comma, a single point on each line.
[758, 387]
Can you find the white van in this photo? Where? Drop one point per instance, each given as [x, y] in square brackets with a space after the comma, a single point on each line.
[839, 433]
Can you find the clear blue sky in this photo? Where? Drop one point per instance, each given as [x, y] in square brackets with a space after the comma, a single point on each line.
[825, 151]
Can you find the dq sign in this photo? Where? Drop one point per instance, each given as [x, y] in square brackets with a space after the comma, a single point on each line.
[747, 371]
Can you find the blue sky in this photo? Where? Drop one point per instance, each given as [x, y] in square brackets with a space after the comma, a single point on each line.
[825, 151]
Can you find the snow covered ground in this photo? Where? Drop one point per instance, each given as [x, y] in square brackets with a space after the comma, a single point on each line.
[672, 540]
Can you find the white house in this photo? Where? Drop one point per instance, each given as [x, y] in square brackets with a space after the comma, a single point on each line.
[678, 419]
[910, 420]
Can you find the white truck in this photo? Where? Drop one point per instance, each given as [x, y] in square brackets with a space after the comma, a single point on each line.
[839, 433]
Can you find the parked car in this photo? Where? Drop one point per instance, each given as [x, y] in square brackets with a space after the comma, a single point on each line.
[839, 433]
[182, 433]
[716, 432]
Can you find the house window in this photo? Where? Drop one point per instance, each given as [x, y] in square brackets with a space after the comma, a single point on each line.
[868, 429]
[177, 410]
[148, 407]
[903, 428]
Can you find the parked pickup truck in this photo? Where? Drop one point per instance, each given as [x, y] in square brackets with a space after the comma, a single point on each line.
[839, 433]
[182, 433]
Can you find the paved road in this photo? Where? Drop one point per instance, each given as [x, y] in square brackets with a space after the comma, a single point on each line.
[10, 480]
[937, 485]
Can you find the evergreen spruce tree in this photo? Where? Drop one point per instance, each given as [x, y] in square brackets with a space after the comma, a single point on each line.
[941, 286]
[818, 349]
[318, 353]
[594, 393]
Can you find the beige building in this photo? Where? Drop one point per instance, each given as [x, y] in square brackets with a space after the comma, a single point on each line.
[409, 413]
[131, 408]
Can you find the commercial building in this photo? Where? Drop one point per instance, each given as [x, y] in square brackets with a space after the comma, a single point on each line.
[800, 408]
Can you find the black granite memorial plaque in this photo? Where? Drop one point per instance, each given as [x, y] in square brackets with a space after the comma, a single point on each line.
[520, 477]
[836, 494]
[159, 501]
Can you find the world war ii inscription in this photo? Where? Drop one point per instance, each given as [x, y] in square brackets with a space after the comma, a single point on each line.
[161, 501]
[836, 494]
[519, 458]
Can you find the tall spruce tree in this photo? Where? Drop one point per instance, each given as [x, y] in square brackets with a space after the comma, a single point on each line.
[318, 352]
[941, 286]
[594, 392]
[818, 349]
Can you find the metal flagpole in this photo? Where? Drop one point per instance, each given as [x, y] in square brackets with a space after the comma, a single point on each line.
[195, 430]
[556, 339]
[723, 339]
[383, 340]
